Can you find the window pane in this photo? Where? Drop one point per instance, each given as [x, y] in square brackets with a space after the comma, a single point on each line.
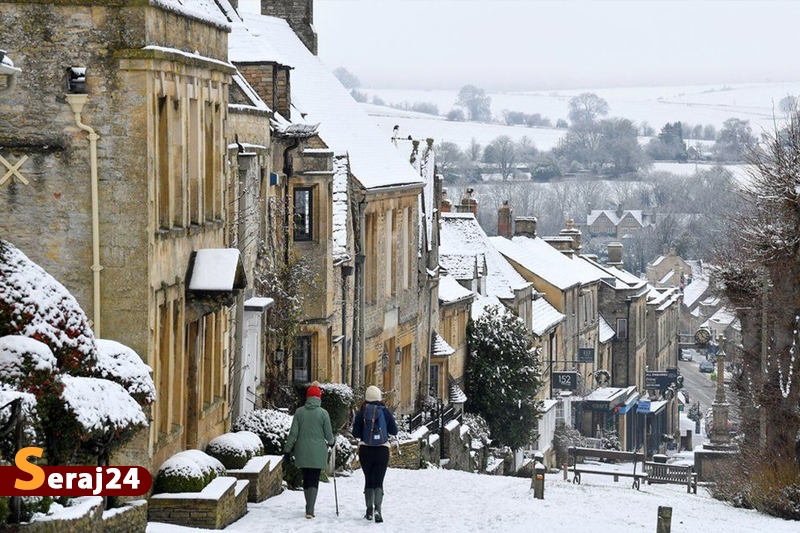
[301, 362]
[302, 214]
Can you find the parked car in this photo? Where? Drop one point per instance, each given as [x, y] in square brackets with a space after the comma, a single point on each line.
[687, 354]
[706, 367]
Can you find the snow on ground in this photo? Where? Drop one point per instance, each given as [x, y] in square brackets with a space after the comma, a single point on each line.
[445, 500]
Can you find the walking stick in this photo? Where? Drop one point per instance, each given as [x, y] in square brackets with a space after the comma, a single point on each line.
[332, 466]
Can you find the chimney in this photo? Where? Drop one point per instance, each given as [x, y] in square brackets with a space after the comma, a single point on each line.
[504, 220]
[525, 227]
[468, 203]
[614, 250]
[619, 210]
[300, 16]
[445, 205]
[575, 234]
[562, 244]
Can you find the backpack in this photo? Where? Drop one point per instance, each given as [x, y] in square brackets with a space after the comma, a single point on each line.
[374, 430]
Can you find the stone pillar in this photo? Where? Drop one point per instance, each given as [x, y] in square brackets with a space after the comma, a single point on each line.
[504, 220]
[720, 437]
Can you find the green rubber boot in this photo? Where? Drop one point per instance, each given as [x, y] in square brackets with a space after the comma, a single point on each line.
[369, 498]
[311, 499]
[378, 502]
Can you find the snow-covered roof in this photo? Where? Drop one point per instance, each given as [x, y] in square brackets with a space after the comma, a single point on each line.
[606, 332]
[440, 347]
[694, 290]
[215, 269]
[662, 298]
[254, 101]
[451, 291]
[340, 208]
[461, 232]
[545, 317]
[465, 266]
[343, 125]
[615, 277]
[605, 394]
[722, 318]
[204, 10]
[481, 303]
[456, 394]
[540, 258]
[612, 216]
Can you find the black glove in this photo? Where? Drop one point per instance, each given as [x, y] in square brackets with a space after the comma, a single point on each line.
[287, 459]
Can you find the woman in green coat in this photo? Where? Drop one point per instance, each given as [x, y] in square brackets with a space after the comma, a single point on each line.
[310, 440]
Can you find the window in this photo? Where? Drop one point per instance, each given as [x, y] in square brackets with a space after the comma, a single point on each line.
[301, 362]
[622, 328]
[371, 252]
[303, 213]
[435, 381]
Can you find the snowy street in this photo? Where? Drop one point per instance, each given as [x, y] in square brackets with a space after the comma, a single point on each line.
[444, 500]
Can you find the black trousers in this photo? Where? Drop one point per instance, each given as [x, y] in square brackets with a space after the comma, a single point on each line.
[310, 477]
[374, 462]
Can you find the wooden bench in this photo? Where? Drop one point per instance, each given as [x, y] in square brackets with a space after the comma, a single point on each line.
[610, 455]
[677, 474]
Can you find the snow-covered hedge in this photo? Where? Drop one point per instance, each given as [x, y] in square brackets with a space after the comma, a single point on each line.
[33, 304]
[337, 398]
[234, 449]
[270, 425]
[187, 471]
[88, 395]
[32, 426]
[119, 363]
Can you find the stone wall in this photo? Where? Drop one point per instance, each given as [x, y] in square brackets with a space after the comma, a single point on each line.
[457, 444]
[130, 518]
[710, 463]
[209, 508]
[265, 475]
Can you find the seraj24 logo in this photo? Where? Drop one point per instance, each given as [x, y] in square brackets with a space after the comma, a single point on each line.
[29, 479]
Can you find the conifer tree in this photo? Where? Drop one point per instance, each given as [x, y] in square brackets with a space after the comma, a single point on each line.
[504, 376]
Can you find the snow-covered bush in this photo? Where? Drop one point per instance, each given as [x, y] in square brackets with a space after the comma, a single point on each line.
[121, 364]
[337, 398]
[187, 471]
[270, 425]
[33, 304]
[31, 505]
[563, 438]
[344, 451]
[30, 416]
[234, 449]
[48, 350]
[478, 428]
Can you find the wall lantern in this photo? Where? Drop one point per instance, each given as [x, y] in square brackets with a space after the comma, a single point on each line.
[385, 361]
[279, 356]
[76, 80]
[398, 356]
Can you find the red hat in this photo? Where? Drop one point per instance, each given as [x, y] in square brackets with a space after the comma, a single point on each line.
[315, 391]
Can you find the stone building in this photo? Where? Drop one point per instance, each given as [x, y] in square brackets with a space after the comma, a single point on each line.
[122, 120]
[357, 204]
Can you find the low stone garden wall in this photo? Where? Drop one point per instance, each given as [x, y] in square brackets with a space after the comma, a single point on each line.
[219, 504]
[457, 444]
[265, 474]
[87, 516]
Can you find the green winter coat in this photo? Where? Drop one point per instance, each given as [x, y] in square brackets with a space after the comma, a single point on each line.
[310, 436]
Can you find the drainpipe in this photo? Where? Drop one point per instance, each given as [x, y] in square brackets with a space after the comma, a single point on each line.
[77, 101]
[359, 298]
[628, 302]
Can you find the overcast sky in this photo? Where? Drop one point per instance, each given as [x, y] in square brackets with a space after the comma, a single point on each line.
[537, 44]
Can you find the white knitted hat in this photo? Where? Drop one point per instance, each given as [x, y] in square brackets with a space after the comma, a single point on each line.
[373, 394]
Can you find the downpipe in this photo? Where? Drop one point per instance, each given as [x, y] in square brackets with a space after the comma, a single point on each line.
[76, 102]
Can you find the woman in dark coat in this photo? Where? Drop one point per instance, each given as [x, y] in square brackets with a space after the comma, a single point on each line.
[310, 439]
[374, 457]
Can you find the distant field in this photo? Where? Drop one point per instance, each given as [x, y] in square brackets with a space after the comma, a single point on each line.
[655, 105]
